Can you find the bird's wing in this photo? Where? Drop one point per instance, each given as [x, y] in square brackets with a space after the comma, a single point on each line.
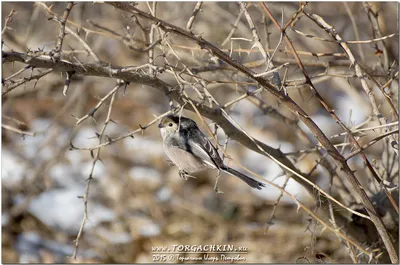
[204, 149]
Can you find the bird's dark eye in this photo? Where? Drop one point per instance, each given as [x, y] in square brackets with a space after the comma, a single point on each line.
[170, 124]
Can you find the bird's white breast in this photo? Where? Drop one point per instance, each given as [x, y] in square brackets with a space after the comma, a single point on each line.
[184, 160]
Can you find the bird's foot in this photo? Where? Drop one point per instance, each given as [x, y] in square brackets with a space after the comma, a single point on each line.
[183, 174]
[216, 189]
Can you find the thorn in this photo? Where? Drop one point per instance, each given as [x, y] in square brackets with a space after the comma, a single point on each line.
[71, 146]
[126, 85]
[111, 120]
[370, 258]
[93, 119]
[298, 205]
[76, 118]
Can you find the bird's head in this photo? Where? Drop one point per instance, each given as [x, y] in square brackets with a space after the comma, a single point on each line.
[168, 125]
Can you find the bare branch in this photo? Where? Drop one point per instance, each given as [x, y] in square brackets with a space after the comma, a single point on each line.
[89, 180]
[21, 132]
[346, 41]
[61, 34]
[196, 10]
[15, 84]
[98, 105]
[8, 19]
[87, 47]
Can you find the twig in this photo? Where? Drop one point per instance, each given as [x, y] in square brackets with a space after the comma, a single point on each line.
[376, 32]
[8, 20]
[272, 215]
[256, 38]
[196, 10]
[13, 129]
[17, 73]
[366, 129]
[389, 81]
[67, 82]
[349, 247]
[45, 61]
[257, 42]
[14, 120]
[230, 103]
[142, 29]
[240, 50]
[130, 134]
[87, 47]
[87, 30]
[294, 16]
[151, 37]
[347, 41]
[355, 28]
[373, 141]
[24, 80]
[272, 71]
[127, 41]
[234, 28]
[305, 151]
[89, 180]
[98, 105]
[114, 33]
[62, 22]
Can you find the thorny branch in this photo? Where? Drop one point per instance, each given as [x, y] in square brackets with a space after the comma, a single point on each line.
[14, 84]
[342, 162]
[359, 73]
[61, 34]
[98, 105]
[196, 10]
[8, 19]
[96, 158]
[21, 132]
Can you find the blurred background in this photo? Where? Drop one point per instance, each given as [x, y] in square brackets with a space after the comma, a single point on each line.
[136, 199]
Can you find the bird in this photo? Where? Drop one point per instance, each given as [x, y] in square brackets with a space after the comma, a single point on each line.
[191, 151]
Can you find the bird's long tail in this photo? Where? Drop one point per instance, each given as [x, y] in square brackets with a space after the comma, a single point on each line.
[251, 182]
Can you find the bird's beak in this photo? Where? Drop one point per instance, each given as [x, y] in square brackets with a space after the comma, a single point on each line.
[159, 125]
